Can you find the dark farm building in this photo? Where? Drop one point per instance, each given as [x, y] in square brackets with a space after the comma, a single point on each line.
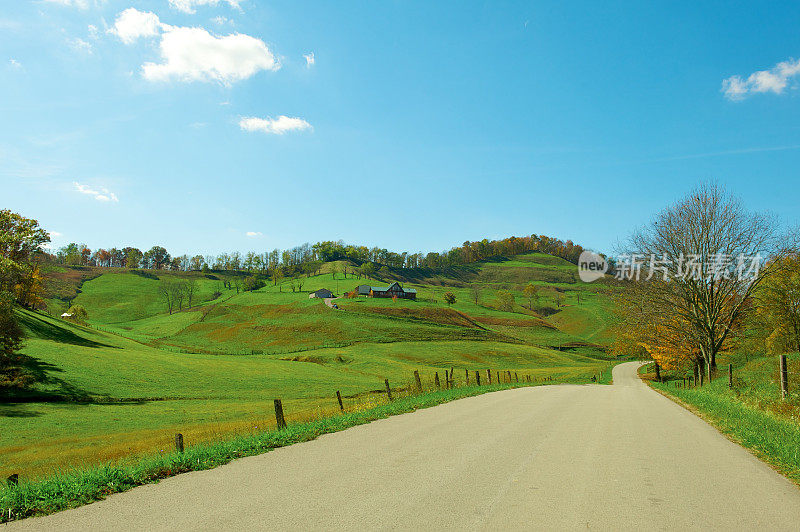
[393, 290]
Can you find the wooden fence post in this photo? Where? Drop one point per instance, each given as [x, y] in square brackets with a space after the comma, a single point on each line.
[339, 397]
[13, 480]
[489, 375]
[452, 377]
[477, 377]
[508, 374]
[730, 375]
[436, 379]
[179, 442]
[658, 372]
[516, 377]
[388, 390]
[417, 380]
[466, 377]
[784, 377]
[279, 419]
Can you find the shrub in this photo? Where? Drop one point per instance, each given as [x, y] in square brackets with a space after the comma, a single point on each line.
[252, 283]
[79, 314]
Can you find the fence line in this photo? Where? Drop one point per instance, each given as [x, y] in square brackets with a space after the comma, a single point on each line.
[414, 387]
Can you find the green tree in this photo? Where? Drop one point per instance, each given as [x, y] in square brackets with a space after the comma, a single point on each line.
[157, 258]
[133, 258]
[11, 373]
[78, 313]
[449, 298]
[20, 241]
[251, 283]
[368, 270]
[505, 300]
[531, 291]
[778, 309]
[560, 298]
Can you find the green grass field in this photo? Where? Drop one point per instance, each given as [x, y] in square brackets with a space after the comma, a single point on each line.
[123, 385]
[72, 488]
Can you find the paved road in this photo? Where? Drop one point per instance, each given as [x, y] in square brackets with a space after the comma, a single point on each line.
[555, 457]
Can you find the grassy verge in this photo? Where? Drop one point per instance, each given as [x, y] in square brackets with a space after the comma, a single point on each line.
[772, 437]
[79, 487]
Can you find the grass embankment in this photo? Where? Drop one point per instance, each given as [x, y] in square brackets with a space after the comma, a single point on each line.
[78, 487]
[750, 413]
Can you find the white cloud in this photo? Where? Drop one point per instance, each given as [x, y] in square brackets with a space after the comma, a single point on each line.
[82, 4]
[774, 80]
[79, 45]
[188, 6]
[100, 195]
[14, 63]
[221, 21]
[54, 234]
[276, 126]
[254, 234]
[193, 54]
[94, 33]
[132, 24]
[309, 59]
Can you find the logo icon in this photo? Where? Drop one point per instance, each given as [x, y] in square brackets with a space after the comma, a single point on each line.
[591, 266]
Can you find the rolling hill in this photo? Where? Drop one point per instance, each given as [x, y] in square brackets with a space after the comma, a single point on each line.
[131, 378]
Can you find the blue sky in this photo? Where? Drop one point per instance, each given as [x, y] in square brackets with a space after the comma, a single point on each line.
[418, 125]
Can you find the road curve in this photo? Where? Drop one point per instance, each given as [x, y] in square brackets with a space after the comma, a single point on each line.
[549, 457]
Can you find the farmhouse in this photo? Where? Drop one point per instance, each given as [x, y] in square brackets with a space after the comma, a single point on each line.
[322, 293]
[393, 290]
[363, 289]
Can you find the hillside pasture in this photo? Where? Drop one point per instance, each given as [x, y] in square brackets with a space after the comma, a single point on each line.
[124, 384]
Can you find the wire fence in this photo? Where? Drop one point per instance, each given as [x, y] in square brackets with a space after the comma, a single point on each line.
[780, 371]
[297, 410]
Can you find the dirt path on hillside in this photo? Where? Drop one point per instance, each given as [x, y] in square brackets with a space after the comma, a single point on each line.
[329, 301]
[550, 457]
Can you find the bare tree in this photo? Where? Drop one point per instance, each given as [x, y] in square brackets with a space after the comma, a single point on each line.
[191, 286]
[165, 289]
[703, 259]
[475, 294]
[178, 293]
